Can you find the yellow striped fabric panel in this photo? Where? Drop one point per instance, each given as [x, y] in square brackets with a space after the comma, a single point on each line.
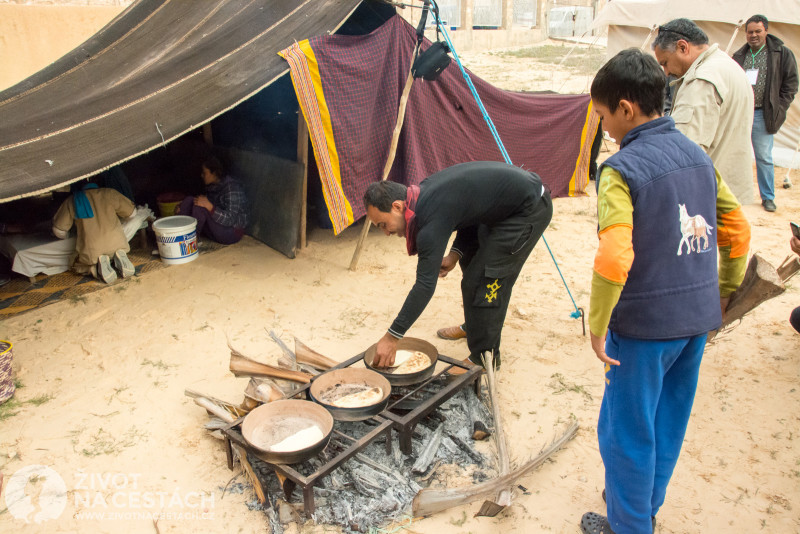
[580, 178]
[308, 88]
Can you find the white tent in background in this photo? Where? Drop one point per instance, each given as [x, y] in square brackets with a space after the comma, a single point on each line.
[633, 23]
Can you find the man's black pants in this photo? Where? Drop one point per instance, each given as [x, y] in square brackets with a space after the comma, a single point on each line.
[489, 273]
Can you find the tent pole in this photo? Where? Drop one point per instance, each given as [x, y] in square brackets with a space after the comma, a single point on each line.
[302, 158]
[735, 32]
[208, 137]
[401, 113]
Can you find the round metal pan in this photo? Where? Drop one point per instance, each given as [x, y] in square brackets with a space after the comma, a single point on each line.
[407, 343]
[323, 383]
[275, 421]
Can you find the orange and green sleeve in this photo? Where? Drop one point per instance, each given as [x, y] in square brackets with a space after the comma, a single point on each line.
[614, 256]
[733, 239]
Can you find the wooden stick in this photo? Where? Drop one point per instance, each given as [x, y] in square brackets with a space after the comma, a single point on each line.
[233, 409]
[503, 499]
[761, 282]
[429, 451]
[431, 501]
[244, 366]
[789, 268]
[237, 450]
[480, 427]
[401, 113]
[304, 354]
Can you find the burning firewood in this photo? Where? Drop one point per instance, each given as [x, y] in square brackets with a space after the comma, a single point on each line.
[429, 451]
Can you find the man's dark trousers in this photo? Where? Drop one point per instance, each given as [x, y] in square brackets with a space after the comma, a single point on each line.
[489, 273]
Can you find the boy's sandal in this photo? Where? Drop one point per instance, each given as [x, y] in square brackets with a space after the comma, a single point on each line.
[592, 523]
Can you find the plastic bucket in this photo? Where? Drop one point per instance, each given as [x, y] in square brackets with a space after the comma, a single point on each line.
[177, 238]
[167, 202]
[7, 386]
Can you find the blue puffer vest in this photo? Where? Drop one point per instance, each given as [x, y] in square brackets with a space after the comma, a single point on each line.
[672, 289]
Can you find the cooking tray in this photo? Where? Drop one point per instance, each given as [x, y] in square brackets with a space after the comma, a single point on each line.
[349, 375]
[275, 421]
[407, 343]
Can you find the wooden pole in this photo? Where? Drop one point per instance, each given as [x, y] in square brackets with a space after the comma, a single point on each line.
[401, 113]
[503, 498]
[302, 158]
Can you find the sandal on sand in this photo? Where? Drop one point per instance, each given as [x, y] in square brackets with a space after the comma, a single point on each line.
[451, 333]
[592, 523]
[455, 371]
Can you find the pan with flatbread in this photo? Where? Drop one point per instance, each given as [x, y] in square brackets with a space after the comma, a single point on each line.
[415, 361]
[351, 393]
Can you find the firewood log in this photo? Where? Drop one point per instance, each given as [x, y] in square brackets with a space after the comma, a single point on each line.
[243, 366]
[761, 282]
[309, 356]
[431, 501]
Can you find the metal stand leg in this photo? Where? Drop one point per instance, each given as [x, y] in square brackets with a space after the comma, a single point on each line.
[308, 500]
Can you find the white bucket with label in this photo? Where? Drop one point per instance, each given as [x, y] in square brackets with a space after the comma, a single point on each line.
[177, 238]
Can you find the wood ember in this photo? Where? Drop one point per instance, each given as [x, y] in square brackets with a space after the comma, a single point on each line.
[429, 451]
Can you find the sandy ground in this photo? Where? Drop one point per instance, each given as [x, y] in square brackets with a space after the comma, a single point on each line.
[103, 403]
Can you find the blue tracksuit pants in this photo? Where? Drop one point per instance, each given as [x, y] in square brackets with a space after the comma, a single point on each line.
[643, 418]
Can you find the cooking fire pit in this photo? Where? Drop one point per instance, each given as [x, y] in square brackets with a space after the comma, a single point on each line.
[405, 409]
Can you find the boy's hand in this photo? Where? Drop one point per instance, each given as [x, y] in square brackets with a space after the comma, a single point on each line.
[599, 348]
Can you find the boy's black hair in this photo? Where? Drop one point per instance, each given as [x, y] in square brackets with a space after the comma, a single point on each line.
[634, 76]
[213, 164]
[757, 18]
[382, 194]
[675, 30]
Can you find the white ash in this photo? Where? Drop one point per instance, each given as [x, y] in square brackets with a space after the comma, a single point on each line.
[360, 495]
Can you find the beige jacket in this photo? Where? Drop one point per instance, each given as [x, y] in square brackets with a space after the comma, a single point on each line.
[102, 234]
[713, 106]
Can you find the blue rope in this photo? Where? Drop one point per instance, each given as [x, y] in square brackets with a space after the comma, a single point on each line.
[577, 313]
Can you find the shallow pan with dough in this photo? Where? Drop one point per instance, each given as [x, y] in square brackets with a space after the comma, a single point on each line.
[273, 422]
[323, 389]
[407, 343]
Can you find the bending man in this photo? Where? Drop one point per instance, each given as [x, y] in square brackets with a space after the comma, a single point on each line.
[498, 211]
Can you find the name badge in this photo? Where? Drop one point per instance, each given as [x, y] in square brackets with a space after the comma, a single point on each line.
[752, 76]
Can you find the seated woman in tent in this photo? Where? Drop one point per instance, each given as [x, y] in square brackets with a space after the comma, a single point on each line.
[222, 212]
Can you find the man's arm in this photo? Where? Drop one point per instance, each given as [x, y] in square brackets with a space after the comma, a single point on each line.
[431, 244]
[123, 206]
[63, 219]
[697, 112]
[789, 81]
[733, 242]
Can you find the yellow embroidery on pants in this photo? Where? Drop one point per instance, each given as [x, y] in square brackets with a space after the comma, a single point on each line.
[493, 287]
[607, 369]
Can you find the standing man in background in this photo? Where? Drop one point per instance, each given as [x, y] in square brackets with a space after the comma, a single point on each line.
[772, 72]
[712, 101]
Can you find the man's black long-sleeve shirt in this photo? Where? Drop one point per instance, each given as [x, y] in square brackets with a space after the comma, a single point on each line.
[460, 198]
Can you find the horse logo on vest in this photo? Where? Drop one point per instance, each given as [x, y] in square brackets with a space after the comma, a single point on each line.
[693, 230]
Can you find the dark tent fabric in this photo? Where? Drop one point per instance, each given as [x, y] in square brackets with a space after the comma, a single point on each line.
[157, 71]
[349, 88]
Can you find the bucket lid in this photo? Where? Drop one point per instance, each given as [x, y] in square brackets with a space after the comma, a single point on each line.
[174, 222]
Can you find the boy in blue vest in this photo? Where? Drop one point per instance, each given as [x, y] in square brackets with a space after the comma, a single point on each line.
[663, 211]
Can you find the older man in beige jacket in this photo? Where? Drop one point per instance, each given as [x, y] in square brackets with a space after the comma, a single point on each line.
[713, 102]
